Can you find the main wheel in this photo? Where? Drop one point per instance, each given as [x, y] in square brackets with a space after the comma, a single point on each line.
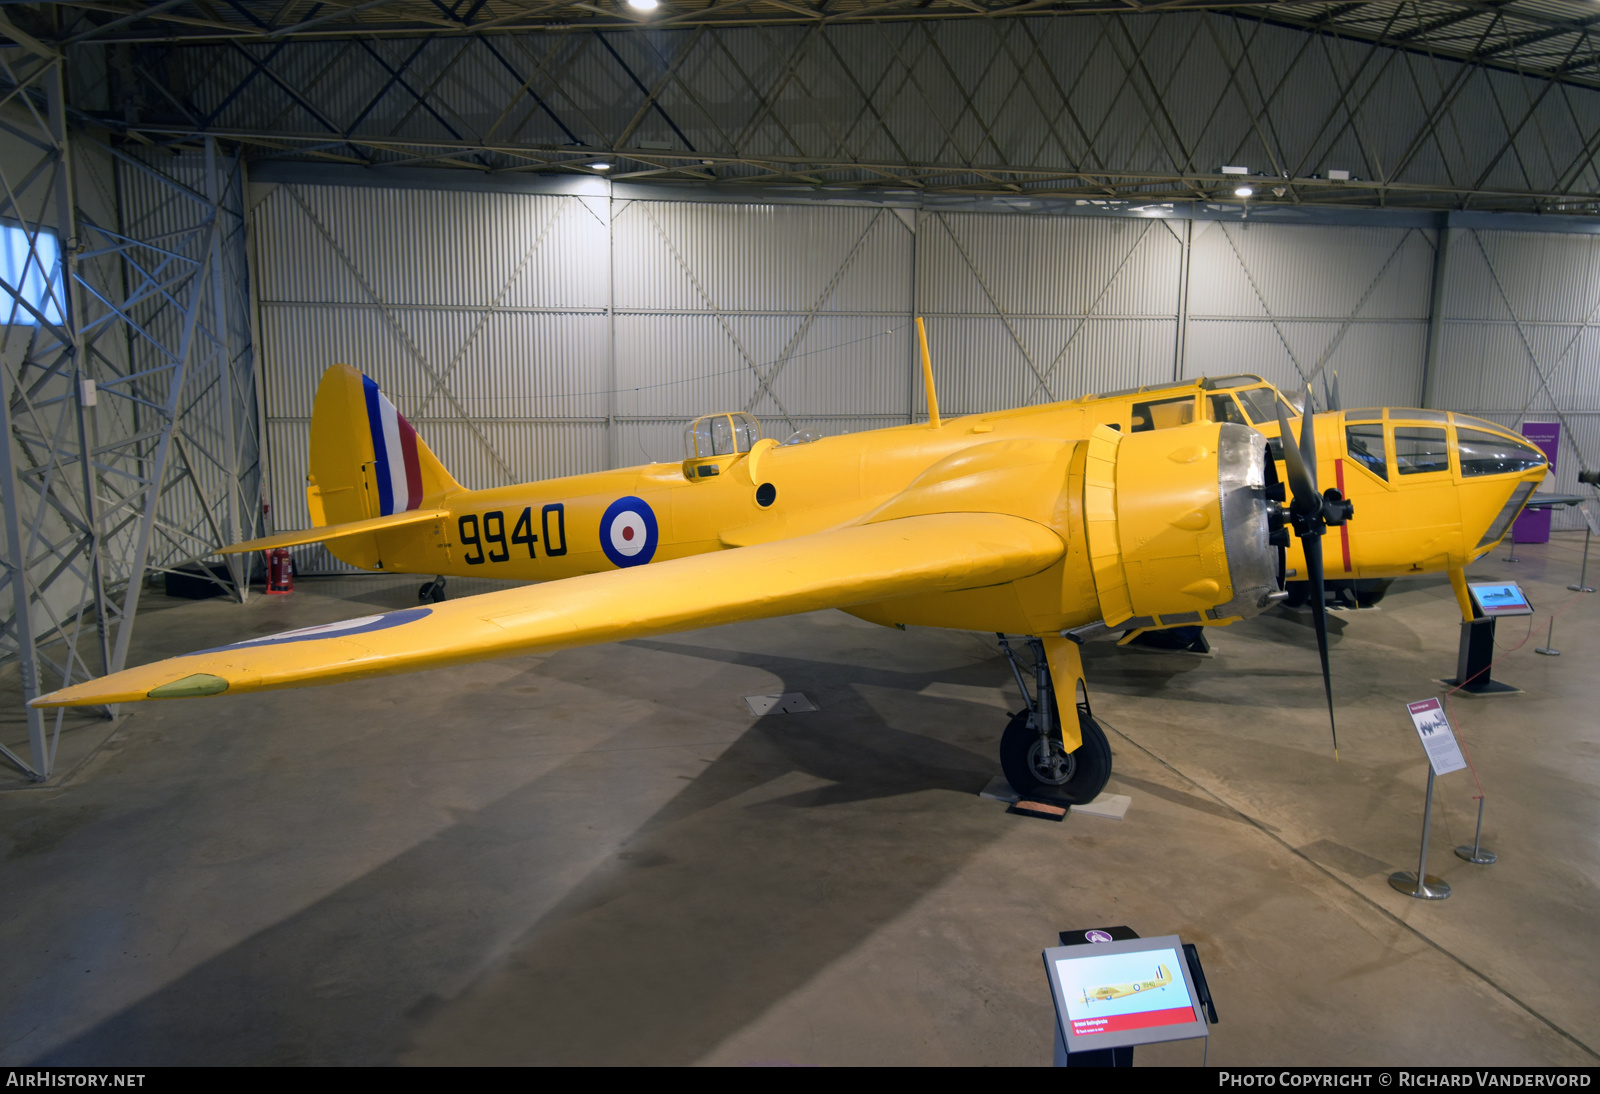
[1048, 772]
[1371, 590]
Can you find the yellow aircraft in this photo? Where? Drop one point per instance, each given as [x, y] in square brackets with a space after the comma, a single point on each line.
[1117, 991]
[1049, 522]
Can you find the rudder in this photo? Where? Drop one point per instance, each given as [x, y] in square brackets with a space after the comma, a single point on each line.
[366, 459]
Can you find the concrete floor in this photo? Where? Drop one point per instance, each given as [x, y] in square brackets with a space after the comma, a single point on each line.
[599, 856]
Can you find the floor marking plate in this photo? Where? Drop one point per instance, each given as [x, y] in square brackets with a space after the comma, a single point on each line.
[1113, 806]
[790, 702]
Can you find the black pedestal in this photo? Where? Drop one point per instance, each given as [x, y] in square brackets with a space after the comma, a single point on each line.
[1474, 658]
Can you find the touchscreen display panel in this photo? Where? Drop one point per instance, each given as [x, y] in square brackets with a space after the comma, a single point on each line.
[1501, 598]
[1114, 993]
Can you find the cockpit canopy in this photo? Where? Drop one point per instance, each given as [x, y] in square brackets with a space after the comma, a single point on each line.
[1421, 443]
[1242, 400]
[729, 434]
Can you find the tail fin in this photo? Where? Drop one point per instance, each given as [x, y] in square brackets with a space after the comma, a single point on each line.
[366, 460]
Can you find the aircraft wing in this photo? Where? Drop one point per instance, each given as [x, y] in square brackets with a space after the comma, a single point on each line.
[942, 552]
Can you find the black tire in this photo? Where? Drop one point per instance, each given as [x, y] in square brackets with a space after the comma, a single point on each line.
[432, 592]
[1299, 593]
[1369, 591]
[1077, 780]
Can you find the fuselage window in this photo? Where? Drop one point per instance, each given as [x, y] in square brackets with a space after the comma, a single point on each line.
[1224, 409]
[1492, 454]
[1366, 447]
[1162, 414]
[1261, 405]
[1419, 450]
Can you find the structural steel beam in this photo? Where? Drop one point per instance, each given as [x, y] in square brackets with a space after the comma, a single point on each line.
[1085, 105]
[1528, 33]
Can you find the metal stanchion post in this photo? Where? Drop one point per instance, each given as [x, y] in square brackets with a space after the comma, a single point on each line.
[1512, 557]
[1476, 853]
[1421, 884]
[1582, 586]
[1548, 649]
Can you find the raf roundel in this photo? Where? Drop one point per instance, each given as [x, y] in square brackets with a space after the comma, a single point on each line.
[628, 532]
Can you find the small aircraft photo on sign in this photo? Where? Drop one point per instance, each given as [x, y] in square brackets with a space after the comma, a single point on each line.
[1118, 991]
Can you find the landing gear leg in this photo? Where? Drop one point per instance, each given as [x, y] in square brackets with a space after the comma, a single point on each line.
[433, 591]
[1032, 755]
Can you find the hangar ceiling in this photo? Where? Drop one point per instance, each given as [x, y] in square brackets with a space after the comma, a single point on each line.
[1445, 105]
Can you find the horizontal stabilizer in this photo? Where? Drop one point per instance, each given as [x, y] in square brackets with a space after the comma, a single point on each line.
[336, 531]
[944, 552]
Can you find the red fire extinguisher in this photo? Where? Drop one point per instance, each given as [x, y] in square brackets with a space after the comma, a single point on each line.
[280, 571]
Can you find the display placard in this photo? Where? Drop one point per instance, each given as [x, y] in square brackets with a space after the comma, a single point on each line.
[1497, 598]
[1114, 994]
[1438, 739]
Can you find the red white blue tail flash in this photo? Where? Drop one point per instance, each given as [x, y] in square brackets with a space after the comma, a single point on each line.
[394, 442]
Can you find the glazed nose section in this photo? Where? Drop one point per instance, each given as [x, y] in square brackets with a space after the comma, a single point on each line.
[1508, 512]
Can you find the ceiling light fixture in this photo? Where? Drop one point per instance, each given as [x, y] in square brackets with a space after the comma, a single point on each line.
[1244, 192]
[600, 166]
[643, 5]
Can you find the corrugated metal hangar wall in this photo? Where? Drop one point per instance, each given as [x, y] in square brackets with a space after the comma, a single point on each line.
[530, 335]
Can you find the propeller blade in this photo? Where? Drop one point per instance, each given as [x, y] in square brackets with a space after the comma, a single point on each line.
[1302, 479]
[1308, 438]
[1312, 545]
[1333, 395]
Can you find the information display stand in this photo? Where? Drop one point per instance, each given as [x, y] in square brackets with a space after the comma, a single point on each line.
[1490, 601]
[1114, 990]
[1444, 756]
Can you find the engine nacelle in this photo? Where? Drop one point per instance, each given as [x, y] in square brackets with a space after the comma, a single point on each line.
[1178, 525]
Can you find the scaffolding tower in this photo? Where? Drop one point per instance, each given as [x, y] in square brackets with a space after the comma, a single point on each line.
[128, 392]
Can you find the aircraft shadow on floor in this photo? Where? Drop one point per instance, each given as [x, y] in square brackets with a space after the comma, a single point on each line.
[500, 940]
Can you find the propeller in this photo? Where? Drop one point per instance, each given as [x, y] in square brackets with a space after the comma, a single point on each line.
[1309, 513]
[1331, 392]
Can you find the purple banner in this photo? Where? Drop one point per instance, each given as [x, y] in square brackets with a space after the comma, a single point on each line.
[1534, 526]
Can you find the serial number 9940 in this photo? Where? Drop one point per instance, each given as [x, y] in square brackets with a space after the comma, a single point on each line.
[484, 538]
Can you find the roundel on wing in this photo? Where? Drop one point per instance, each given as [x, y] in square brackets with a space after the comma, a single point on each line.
[628, 532]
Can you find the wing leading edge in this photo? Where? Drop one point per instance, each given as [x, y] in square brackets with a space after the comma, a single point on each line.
[943, 552]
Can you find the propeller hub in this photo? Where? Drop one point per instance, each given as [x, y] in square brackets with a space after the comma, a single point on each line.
[1335, 509]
